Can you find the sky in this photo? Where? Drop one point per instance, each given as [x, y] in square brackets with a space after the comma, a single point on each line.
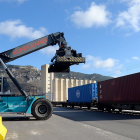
[106, 32]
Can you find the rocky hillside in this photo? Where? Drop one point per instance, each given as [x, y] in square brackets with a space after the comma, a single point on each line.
[78, 75]
[30, 76]
[27, 76]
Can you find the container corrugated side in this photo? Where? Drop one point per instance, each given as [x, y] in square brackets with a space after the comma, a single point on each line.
[84, 93]
[124, 89]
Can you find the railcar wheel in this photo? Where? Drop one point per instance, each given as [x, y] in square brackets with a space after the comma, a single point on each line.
[108, 109]
[42, 109]
[100, 108]
[88, 107]
[113, 109]
[120, 110]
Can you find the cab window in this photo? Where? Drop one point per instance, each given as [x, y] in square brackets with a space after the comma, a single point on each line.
[0, 83]
[5, 85]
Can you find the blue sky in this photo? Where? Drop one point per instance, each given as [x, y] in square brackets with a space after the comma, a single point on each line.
[106, 32]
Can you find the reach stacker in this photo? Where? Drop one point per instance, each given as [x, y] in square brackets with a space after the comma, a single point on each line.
[38, 106]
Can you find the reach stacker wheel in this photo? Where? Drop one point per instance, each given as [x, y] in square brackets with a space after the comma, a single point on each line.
[42, 109]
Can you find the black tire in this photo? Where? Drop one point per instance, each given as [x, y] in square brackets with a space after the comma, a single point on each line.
[42, 109]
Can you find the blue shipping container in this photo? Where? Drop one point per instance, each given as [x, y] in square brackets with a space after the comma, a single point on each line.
[84, 93]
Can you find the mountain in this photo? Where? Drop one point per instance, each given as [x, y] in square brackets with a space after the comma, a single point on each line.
[29, 76]
[78, 75]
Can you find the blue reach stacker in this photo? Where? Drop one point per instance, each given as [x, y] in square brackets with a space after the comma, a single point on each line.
[38, 106]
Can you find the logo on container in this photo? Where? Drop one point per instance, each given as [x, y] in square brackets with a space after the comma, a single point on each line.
[77, 93]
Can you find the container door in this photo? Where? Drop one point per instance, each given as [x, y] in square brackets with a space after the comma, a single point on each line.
[96, 91]
[93, 91]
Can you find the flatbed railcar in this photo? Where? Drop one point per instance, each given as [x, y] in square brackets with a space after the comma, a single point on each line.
[121, 93]
[73, 104]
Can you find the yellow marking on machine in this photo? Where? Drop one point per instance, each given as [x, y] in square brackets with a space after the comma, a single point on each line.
[3, 130]
[71, 59]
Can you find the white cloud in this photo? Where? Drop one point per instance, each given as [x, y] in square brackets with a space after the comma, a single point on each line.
[62, 1]
[19, 1]
[51, 50]
[110, 66]
[118, 72]
[127, 60]
[78, 8]
[131, 2]
[96, 63]
[95, 15]
[131, 17]
[109, 63]
[16, 29]
[135, 58]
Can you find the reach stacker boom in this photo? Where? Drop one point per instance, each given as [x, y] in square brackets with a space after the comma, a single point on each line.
[38, 106]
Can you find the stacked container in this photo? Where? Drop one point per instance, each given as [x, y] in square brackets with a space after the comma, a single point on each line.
[122, 90]
[83, 94]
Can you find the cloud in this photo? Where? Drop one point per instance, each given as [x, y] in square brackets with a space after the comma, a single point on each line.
[127, 60]
[19, 1]
[135, 58]
[16, 29]
[109, 66]
[97, 63]
[62, 1]
[130, 19]
[51, 50]
[78, 8]
[95, 15]
[118, 72]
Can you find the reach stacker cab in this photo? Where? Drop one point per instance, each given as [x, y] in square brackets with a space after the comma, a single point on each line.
[4, 86]
[38, 106]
